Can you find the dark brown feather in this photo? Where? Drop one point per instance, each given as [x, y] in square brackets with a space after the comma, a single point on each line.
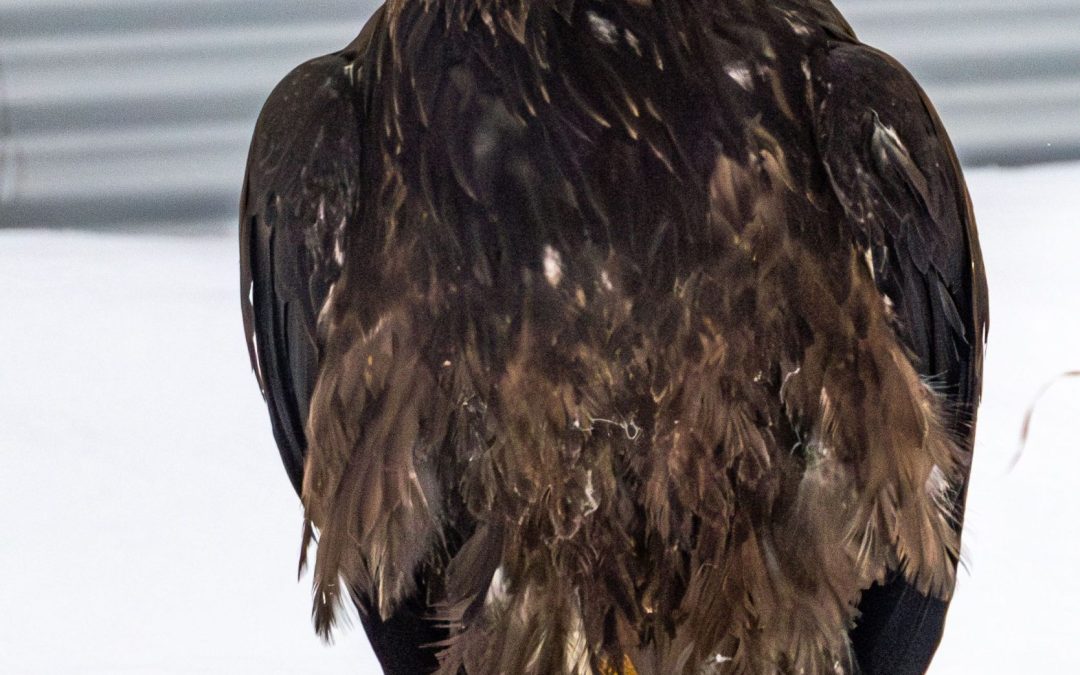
[625, 367]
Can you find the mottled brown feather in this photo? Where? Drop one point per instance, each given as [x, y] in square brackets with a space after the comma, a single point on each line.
[623, 370]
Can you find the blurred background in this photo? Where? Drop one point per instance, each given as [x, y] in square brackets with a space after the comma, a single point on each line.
[125, 111]
[117, 112]
[146, 525]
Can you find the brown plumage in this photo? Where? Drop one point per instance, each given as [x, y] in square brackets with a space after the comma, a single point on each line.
[618, 336]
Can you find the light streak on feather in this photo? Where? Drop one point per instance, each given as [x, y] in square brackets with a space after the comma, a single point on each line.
[553, 266]
[325, 309]
[576, 653]
[591, 502]
[797, 27]
[868, 257]
[787, 378]
[937, 485]
[603, 29]
[498, 592]
[740, 72]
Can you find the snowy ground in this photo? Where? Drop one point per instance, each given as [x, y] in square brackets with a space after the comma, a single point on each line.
[146, 525]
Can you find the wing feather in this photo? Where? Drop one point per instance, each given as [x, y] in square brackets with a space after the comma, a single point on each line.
[300, 189]
[894, 170]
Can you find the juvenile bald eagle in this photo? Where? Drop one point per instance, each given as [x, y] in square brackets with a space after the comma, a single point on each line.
[618, 336]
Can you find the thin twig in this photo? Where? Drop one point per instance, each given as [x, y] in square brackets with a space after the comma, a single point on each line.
[1026, 427]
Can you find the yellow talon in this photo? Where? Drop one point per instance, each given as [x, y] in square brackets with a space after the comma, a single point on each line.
[627, 667]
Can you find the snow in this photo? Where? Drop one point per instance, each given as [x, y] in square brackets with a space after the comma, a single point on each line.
[1016, 608]
[148, 527]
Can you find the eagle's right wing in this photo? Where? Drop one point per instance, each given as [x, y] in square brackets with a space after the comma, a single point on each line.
[892, 167]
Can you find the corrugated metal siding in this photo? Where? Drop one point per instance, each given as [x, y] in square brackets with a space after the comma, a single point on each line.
[1004, 74]
[141, 110]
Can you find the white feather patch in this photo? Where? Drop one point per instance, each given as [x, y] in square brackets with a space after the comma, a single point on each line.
[553, 267]
[740, 72]
[603, 29]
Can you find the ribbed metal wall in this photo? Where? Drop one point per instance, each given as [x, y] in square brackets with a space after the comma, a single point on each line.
[1004, 74]
[140, 111]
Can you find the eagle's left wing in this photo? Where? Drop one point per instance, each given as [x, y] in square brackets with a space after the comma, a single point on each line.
[299, 191]
[302, 189]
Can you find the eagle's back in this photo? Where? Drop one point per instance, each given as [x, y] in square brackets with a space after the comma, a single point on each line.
[615, 374]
